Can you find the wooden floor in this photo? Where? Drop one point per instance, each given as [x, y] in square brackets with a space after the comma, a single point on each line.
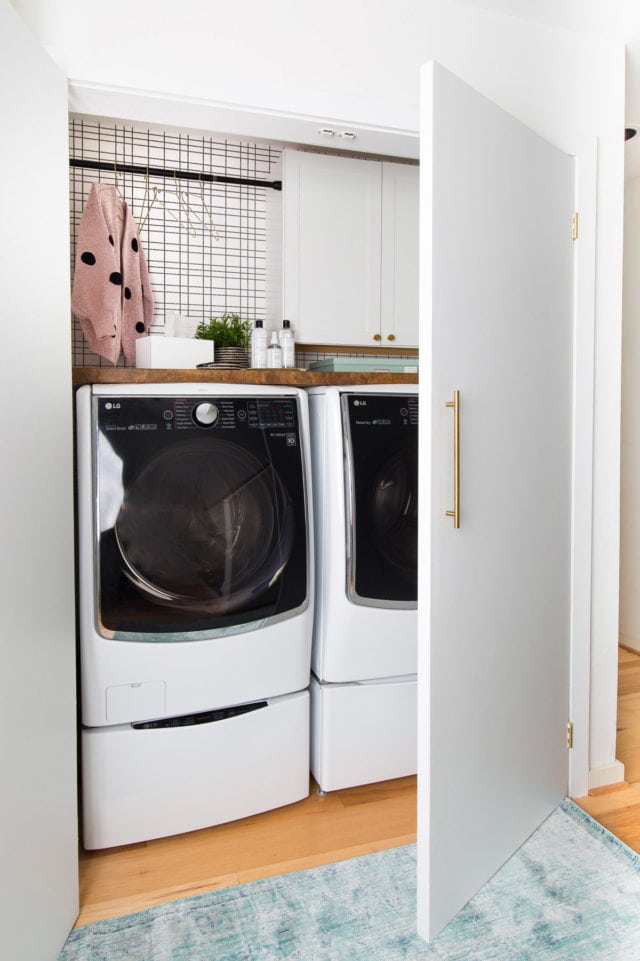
[315, 831]
[319, 830]
[618, 807]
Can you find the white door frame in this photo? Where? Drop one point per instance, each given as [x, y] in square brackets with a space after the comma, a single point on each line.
[584, 150]
[583, 147]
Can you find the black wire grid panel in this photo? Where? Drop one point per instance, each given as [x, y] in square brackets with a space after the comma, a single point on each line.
[212, 245]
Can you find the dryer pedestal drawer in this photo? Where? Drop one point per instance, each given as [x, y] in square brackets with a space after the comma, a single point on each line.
[146, 783]
[363, 732]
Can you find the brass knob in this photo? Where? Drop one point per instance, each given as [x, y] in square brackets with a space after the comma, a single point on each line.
[391, 336]
[377, 336]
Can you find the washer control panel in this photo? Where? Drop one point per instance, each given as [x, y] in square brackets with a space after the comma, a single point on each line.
[197, 413]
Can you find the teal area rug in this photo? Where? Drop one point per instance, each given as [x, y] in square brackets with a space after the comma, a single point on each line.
[571, 893]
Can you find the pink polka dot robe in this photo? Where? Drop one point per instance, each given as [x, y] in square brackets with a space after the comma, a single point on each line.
[111, 296]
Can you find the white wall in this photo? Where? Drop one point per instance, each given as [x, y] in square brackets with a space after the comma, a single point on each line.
[286, 56]
[38, 824]
[285, 66]
[281, 71]
[630, 487]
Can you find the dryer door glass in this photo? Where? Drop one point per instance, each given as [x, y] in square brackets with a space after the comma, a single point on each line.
[201, 514]
[381, 441]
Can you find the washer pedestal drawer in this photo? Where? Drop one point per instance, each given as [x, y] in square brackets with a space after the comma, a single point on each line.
[140, 784]
[363, 732]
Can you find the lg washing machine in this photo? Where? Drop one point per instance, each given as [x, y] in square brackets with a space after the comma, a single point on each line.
[196, 605]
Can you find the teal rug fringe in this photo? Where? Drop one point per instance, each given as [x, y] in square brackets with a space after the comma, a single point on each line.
[570, 893]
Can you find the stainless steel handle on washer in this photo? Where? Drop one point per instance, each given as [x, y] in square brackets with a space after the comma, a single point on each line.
[455, 403]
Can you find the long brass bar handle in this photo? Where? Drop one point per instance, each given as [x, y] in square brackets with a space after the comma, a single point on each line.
[455, 403]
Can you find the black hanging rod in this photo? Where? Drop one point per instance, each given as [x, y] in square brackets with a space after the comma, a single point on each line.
[174, 174]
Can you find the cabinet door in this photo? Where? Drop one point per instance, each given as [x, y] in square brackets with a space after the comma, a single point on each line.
[399, 280]
[332, 248]
[494, 596]
[38, 816]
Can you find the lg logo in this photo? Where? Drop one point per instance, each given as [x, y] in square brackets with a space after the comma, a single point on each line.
[359, 403]
[110, 406]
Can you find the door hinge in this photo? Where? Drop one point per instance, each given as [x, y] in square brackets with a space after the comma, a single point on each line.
[570, 734]
[574, 226]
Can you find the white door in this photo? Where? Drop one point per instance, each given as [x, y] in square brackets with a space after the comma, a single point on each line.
[496, 261]
[38, 821]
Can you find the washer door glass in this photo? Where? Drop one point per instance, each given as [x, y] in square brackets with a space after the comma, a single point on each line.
[201, 528]
[203, 540]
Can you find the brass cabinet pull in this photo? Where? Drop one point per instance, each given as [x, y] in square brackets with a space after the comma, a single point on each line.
[377, 336]
[455, 403]
[391, 336]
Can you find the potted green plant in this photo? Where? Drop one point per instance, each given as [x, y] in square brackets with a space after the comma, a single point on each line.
[230, 336]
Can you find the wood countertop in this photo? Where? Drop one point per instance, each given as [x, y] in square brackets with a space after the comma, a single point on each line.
[293, 377]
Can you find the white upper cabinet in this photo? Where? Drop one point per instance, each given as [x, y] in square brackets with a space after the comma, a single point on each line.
[399, 273]
[350, 251]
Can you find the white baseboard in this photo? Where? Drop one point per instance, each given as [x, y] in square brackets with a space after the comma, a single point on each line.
[606, 774]
[632, 643]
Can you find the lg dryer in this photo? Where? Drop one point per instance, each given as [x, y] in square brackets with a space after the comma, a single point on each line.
[195, 577]
[364, 660]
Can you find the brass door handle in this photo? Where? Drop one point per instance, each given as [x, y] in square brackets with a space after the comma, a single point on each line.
[377, 336]
[455, 403]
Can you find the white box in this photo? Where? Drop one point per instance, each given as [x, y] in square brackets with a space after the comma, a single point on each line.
[182, 352]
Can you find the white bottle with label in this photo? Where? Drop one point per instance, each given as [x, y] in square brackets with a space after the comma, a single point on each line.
[258, 345]
[274, 352]
[287, 345]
